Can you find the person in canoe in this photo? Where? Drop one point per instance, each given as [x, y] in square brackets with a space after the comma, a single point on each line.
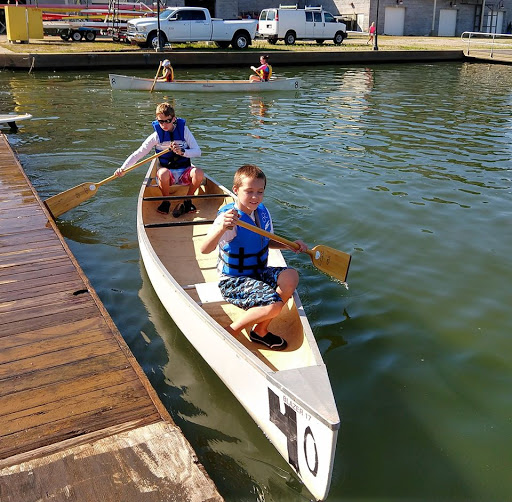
[168, 72]
[245, 278]
[263, 72]
[175, 166]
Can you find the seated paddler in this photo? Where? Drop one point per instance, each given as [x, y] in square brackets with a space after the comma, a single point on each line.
[170, 132]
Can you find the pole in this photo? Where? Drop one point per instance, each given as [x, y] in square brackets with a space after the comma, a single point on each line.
[433, 20]
[375, 44]
[482, 16]
[158, 48]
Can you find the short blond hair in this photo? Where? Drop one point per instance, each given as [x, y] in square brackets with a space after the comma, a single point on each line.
[248, 171]
[165, 109]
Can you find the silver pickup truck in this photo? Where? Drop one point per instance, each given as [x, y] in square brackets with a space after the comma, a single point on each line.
[191, 24]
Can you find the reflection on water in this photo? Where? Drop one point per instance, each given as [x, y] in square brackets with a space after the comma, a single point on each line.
[187, 384]
[406, 167]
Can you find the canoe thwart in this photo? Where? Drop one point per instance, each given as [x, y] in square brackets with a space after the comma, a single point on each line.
[181, 197]
[178, 223]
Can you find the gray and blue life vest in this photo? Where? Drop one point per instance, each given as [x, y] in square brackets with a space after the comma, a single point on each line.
[170, 159]
[247, 253]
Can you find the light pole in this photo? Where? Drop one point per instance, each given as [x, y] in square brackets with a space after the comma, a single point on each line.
[375, 45]
[158, 48]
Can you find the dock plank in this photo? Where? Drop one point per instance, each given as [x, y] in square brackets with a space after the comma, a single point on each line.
[78, 418]
[134, 465]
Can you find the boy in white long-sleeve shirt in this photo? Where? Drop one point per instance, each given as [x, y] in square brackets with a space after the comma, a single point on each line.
[175, 166]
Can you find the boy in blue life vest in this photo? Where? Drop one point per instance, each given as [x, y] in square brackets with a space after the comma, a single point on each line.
[245, 278]
[175, 166]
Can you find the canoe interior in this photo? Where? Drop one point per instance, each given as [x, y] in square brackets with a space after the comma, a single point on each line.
[178, 249]
[208, 81]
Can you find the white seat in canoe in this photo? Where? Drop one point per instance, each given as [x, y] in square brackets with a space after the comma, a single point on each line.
[208, 292]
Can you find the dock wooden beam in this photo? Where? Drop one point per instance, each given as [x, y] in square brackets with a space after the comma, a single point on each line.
[79, 420]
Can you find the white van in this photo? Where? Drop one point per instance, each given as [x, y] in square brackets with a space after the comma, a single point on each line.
[289, 23]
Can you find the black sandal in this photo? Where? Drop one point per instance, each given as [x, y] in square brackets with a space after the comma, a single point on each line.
[164, 207]
[178, 210]
[189, 207]
[270, 340]
[183, 207]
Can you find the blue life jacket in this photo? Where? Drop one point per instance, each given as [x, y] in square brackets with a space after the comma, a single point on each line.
[247, 253]
[170, 159]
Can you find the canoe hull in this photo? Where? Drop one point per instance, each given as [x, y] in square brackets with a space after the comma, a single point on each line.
[126, 83]
[304, 435]
[11, 120]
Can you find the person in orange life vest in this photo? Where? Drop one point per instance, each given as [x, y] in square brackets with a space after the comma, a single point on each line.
[168, 73]
[246, 280]
[175, 166]
[264, 71]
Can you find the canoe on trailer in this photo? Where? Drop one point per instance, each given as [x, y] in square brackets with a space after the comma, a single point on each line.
[287, 393]
[125, 83]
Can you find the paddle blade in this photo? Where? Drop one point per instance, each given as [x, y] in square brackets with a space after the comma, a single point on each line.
[64, 201]
[331, 261]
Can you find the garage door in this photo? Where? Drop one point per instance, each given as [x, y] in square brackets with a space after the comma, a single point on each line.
[394, 18]
[447, 22]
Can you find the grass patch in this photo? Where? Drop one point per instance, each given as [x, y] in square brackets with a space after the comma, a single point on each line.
[353, 43]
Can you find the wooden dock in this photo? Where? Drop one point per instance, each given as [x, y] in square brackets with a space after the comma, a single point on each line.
[79, 421]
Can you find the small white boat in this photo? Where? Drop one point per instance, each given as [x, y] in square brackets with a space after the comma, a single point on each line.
[126, 83]
[11, 119]
[287, 393]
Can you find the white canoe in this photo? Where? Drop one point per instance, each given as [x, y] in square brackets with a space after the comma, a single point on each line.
[12, 119]
[287, 393]
[126, 83]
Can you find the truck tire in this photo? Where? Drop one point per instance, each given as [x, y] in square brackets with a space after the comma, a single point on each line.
[222, 45]
[338, 38]
[65, 35]
[76, 36]
[290, 37]
[152, 42]
[241, 40]
[90, 36]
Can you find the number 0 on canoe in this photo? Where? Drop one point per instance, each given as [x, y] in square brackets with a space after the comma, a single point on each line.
[64, 201]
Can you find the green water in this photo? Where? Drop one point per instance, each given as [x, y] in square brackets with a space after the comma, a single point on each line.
[408, 168]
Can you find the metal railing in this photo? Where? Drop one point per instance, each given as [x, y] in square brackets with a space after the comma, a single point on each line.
[499, 40]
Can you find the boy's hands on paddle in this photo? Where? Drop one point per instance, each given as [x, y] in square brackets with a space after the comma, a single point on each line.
[120, 172]
[303, 247]
[230, 219]
[176, 148]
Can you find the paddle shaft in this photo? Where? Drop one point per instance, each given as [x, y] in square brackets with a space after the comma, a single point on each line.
[331, 261]
[274, 237]
[156, 76]
[113, 177]
[64, 201]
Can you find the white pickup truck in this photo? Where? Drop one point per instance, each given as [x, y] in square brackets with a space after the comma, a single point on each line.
[191, 24]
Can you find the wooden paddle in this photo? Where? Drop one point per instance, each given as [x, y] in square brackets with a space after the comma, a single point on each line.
[255, 70]
[64, 201]
[156, 76]
[328, 260]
